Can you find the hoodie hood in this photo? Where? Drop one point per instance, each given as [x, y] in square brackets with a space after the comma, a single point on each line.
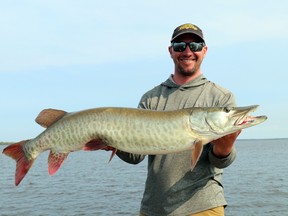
[198, 81]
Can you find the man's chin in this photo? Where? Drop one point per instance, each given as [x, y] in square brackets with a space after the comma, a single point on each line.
[187, 73]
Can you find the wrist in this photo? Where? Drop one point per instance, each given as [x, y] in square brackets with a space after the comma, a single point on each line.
[221, 153]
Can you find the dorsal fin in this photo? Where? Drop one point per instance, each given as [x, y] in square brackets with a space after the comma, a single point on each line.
[48, 116]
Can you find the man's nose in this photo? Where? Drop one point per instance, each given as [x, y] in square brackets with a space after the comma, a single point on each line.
[187, 51]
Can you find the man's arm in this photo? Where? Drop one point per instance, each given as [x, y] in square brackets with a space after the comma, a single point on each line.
[223, 152]
[223, 147]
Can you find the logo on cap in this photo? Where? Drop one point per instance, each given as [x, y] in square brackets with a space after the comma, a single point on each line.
[188, 26]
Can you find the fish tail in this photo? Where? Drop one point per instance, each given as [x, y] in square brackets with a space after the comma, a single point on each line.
[55, 161]
[23, 165]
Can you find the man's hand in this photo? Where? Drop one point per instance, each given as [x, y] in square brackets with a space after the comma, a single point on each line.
[224, 145]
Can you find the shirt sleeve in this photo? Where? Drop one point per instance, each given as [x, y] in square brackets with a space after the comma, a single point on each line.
[222, 163]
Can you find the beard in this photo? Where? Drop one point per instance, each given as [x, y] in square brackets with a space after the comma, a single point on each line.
[186, 71]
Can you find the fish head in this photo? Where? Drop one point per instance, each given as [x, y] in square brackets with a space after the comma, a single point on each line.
[215, 122]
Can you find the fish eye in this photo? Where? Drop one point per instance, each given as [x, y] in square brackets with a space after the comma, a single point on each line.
[227, 109]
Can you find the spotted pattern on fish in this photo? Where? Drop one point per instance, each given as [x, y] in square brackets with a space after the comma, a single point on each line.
[130, 130]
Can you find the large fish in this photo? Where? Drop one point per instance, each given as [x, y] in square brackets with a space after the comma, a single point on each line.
[136, 131]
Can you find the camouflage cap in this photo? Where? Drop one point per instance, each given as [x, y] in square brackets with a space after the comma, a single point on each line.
[187, 28]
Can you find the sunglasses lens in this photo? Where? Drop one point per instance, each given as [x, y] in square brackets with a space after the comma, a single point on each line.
[179, 47]
[195, 47]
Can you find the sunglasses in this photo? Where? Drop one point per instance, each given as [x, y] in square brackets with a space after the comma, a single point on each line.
[194, 46]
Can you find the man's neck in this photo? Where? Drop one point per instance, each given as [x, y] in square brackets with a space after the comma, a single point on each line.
[181, 80]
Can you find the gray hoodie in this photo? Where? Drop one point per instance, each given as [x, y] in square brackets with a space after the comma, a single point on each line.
[171, 188]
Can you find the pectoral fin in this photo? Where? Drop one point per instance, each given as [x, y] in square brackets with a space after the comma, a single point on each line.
[196, 153]
[97, 144]
[94, 144]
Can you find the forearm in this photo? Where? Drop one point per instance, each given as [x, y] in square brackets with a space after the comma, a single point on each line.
[223, 146]
[222, 162]
[222, 151]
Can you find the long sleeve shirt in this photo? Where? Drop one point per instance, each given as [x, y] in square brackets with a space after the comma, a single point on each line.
[171, 188]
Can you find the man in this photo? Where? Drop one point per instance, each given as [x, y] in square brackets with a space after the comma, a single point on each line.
[171, 188]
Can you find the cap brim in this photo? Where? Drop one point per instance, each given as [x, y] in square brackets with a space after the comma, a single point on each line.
[187, 32]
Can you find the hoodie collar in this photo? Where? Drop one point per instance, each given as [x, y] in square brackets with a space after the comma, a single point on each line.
[200, 80]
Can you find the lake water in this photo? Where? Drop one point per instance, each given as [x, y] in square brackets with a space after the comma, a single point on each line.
[255, 184]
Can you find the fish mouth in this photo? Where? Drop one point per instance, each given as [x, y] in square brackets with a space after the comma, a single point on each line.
[243, 117]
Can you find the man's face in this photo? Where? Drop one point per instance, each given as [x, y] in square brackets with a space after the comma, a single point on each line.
[187, 63]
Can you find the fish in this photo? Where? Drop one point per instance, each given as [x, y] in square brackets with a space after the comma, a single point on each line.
[132, 130]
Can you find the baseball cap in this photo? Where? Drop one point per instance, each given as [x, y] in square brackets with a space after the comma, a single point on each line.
[187, 28]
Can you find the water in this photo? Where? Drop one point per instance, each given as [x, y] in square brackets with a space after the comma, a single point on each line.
[255, 184]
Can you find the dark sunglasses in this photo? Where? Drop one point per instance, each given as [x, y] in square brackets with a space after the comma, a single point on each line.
[194, 46]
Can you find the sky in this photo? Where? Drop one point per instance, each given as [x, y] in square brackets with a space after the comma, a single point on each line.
[74, 55]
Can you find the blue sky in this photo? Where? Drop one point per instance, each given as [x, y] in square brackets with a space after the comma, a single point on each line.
[75, 55]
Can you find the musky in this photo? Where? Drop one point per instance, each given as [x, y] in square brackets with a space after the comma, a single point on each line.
[74, 55]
